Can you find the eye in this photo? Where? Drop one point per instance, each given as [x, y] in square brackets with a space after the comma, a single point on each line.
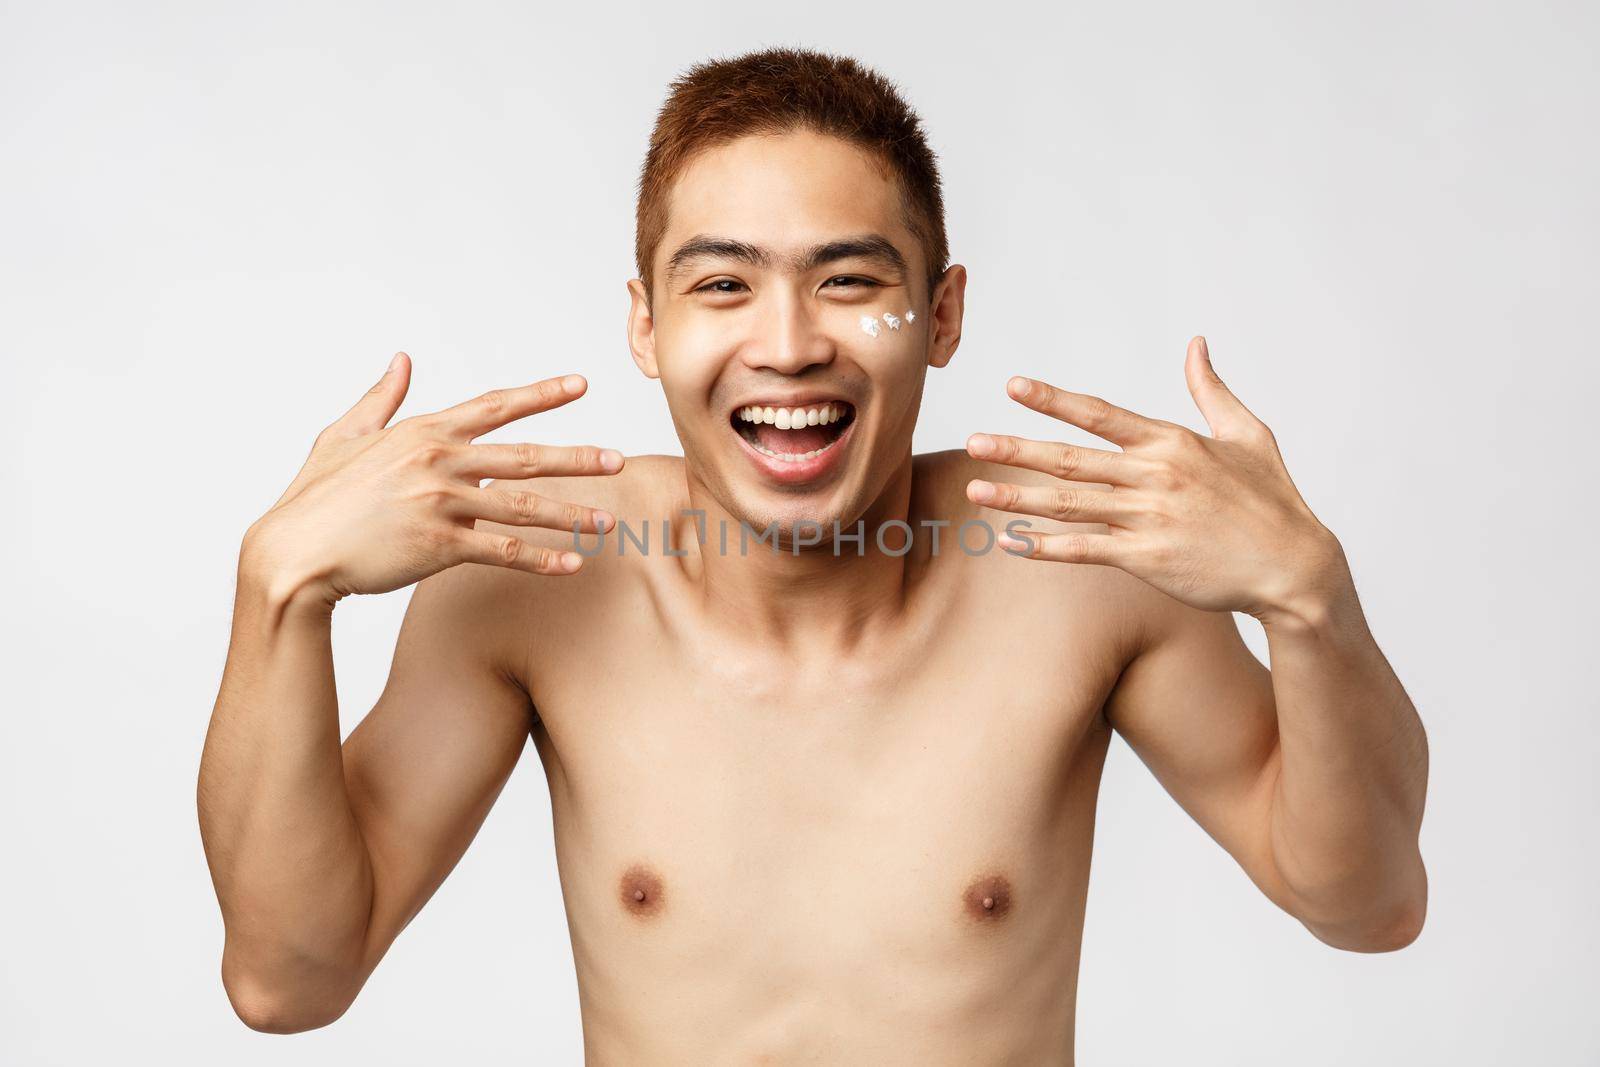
[849, 281]
[721, 285]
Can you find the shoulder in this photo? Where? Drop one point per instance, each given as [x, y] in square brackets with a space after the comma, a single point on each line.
[939, 487]
[502, 614]
[647, 486]
[1038, 588]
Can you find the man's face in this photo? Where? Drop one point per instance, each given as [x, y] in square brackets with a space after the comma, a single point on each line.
[778, 250]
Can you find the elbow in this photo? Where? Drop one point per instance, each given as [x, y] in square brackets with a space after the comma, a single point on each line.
[1401, 934]
[1390, 931]
[1386, 927]
[271, 1011]
[276, 1007]
[1404, 925]
[1359, 899]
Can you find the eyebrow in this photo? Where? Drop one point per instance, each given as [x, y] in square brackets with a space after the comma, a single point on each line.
[869, 246]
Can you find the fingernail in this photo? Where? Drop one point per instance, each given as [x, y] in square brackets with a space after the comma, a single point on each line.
[980, 444]
[571, 561]
[980, 491]
[572, 383]
[1013, 543]
[1205, 349]
[611, 461]
[1018, 387]
[603, 521]
[394, 361]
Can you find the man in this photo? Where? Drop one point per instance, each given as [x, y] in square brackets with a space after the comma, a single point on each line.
[823, 780]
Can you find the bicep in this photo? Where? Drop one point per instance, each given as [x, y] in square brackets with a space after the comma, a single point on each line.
[1197, 707]
[427, 763]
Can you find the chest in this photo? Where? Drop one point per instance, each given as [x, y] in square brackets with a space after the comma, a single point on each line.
[715, 790]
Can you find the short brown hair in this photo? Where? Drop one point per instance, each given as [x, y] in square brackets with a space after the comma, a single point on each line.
[776, 91]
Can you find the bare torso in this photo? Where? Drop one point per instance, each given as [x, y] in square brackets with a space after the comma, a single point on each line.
[808, 807]
[875, 856]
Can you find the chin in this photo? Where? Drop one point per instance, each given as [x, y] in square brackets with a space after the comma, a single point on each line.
[814, 518]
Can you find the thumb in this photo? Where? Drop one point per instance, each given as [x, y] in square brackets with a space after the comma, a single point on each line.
[1223, 411]
[374, 410]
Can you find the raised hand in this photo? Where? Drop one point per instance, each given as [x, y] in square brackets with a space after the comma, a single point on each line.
[1214, 521]
[378, 507]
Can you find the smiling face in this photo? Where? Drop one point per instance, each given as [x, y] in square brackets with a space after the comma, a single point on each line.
[791, 327]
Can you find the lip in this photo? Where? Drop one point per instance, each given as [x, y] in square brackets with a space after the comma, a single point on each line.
[802, 471]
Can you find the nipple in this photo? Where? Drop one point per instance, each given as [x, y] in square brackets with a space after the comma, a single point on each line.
[988, 898]
[641, 891]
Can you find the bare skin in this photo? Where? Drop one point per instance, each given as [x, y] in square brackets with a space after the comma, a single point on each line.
[808, 807]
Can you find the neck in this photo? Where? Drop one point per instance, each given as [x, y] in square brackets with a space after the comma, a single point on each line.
[820, 596]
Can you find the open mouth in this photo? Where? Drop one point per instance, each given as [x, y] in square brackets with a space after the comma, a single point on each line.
[794, 435]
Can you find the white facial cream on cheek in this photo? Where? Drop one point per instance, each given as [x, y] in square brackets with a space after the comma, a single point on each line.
[890, 321]
[911, 316]
[869, 325]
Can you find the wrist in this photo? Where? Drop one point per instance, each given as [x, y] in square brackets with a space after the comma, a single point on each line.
[272, 573]
[1317, 595]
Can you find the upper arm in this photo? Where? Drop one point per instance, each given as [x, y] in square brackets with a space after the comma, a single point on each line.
[1198, 709]
[424, 767]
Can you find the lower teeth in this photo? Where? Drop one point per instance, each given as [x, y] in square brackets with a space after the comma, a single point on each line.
[790, 457]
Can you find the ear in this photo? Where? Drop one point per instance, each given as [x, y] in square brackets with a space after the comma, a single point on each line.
[944, 315]
[642, 329]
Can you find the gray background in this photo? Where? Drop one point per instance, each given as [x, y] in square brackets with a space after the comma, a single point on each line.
[216, 225]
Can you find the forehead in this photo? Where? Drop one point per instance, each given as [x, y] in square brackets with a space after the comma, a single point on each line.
[789, 190]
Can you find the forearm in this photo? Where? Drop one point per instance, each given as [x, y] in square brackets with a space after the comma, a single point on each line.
[292, 874]
[1352, 770]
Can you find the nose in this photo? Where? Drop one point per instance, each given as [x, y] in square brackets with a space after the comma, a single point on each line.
[790, 338]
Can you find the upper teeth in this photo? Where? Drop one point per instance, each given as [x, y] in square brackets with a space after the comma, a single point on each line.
[793, 418]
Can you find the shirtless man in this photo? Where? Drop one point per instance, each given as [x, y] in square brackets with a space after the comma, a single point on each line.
[829, 803]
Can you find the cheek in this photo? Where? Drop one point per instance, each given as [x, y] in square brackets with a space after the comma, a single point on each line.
[871, 321]
[689, 339]
[876, 334]
[892, 358]
[689, 352]
[895, 359]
